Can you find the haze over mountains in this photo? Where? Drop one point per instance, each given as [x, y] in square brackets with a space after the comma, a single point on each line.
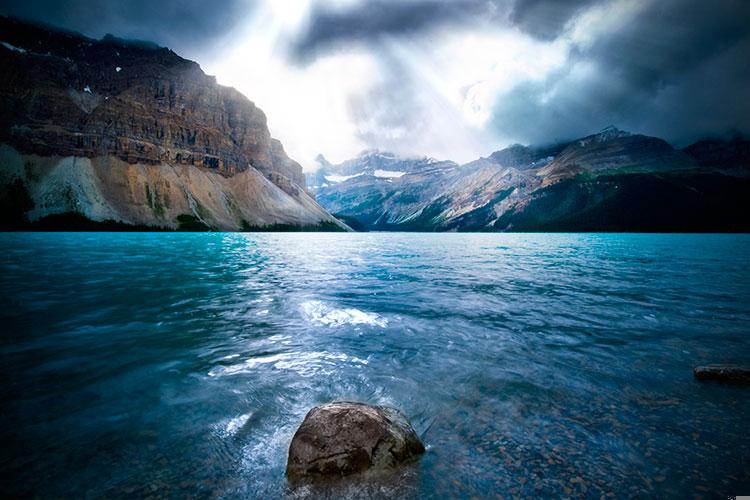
[609, 181]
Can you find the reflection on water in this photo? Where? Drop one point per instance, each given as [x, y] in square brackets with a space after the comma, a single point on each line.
[532, 365]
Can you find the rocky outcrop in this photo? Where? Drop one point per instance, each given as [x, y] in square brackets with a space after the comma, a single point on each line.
[610, 181]
[161, 195]
[735, 374]
[345, 437]
[98, 107]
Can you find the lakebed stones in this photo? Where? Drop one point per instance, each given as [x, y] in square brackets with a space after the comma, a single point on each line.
[736, 374]
[346, 437]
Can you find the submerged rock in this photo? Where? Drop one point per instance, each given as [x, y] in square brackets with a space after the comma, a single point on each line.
[723, 373]
[345, 437]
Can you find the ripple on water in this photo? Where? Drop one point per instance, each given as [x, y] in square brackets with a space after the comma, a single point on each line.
[178, 365]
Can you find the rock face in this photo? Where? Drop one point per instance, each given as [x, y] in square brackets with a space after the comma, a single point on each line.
[109, 104]
[723, 373]
[345, 437]
[610, 181]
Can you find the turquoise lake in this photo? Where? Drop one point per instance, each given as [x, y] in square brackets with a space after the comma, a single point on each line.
[538, 365]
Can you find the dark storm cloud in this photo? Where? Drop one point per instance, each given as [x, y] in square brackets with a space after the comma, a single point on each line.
[679, 69]
[368, 22]
[545, 19]
[182, 25]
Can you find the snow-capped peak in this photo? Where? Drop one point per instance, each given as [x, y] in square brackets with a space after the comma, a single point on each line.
[606, 134]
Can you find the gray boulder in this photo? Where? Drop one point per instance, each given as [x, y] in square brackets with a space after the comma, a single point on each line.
[723, 373]
[346, 437]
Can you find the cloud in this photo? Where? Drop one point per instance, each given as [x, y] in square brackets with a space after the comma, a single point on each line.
[672, 68]
[186, 25]
[642, 64]
[398, 113]
[545, 19]
[369, 22]
[434, 97]
[450, 78]
[366, 22]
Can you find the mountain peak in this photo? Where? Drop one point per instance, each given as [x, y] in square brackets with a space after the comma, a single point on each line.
[366, 153]
[612, 132]
[111, 39]
[322, 161]
[606, 134]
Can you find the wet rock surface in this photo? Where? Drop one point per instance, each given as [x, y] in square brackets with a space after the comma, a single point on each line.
[346, 437]
[736, 374]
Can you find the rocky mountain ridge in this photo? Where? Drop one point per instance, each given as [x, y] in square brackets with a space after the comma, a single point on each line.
[609, 181]
[148, 116]
[374, 163]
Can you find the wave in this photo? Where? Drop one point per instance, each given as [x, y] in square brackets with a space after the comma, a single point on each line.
[305, 364]
[229, 428]
[321, 313]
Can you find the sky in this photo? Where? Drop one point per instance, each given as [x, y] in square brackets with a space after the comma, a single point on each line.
[452, 79]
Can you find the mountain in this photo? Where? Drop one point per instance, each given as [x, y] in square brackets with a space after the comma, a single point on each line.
[117, 133]
[371, 164]
[732, 153]
[609, 181]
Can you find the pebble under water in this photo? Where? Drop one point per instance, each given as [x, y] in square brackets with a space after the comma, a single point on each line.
[544, 365]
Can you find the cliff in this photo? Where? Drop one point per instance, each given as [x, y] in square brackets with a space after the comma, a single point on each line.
[130, 132]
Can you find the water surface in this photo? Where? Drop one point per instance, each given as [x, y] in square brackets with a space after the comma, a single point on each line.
[180, 365]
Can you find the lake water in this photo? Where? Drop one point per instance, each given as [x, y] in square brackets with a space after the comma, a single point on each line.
[174, 365]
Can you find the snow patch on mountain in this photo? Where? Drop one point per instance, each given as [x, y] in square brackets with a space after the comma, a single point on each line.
[388, 174]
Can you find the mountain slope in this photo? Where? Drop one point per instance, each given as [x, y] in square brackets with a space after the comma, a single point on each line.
[380, 190]
[610, 181]
[129, 132]
[733, 153]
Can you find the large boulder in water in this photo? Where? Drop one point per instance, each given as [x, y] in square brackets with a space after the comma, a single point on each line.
[345, 437]
[736, 374]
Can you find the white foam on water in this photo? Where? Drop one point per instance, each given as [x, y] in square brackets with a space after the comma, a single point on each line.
[266, 449]
[237, 423]
[306, 364]
[228, 428]
[316, 311]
